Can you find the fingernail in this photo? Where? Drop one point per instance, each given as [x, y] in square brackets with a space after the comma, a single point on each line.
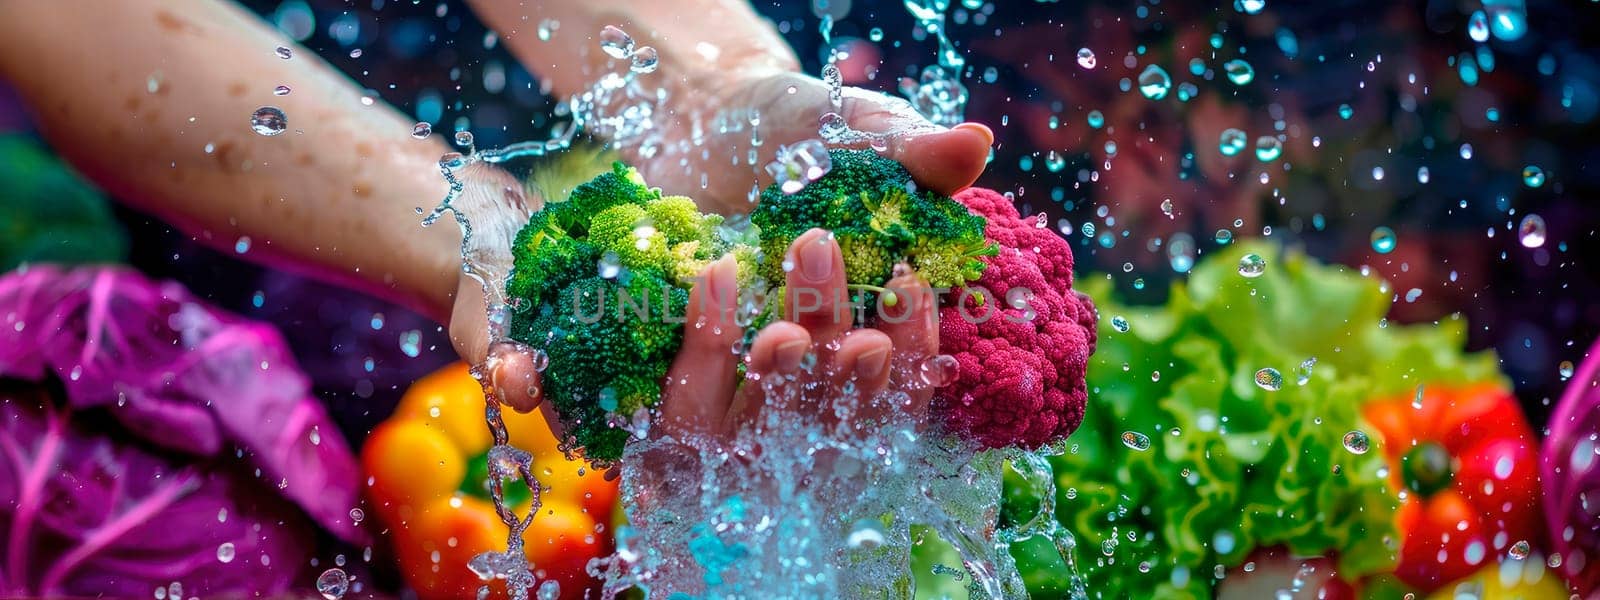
[722, 277]
[981, 129]
[788, 355]
[816, 256]
[872, 364]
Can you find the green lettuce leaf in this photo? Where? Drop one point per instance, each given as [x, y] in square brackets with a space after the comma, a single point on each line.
[1231, 466]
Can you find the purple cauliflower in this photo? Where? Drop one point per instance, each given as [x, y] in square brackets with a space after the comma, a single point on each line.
[1020, 335]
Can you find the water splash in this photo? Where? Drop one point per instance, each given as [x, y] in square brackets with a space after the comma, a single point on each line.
[938, 94]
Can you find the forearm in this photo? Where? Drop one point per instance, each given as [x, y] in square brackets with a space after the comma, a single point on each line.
[692, 37]
[152, 100]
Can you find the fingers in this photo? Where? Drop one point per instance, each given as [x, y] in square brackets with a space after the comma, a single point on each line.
[509, 365]
[701, 381]
[863, 357]
[912, 327]
[944, 160]
[815, 296]
[779, 349]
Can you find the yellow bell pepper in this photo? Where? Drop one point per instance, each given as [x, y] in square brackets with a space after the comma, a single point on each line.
[1525, 579]
[428, 482]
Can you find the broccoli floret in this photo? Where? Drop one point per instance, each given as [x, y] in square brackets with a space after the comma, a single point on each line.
[880, 218]
[678, 218]
[628, 231]
[606, 360]
[546, 259]
[620, 186]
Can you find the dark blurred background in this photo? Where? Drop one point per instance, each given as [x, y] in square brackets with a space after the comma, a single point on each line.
[1391, 113]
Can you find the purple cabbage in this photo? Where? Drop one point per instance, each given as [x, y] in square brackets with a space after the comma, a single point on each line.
[1570, 470]
[135, 417]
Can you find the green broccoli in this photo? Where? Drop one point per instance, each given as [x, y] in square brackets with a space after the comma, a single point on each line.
[606, 360]
[880, 218]
[611, 335]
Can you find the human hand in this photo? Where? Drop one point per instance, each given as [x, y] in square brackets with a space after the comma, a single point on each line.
[705, 399]
[716, 170]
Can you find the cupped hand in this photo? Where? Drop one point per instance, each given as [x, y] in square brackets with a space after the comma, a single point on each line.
[704, 397]
[788, 107]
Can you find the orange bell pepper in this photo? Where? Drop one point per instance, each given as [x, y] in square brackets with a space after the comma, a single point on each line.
[1469, 467]
[428, 483]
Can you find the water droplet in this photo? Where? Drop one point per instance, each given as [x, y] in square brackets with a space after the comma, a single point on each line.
[269, 121]
[1120, 324]
[1232, 142]
[1532, 176]
[282, 90]
[1383, 240]
[1478, 27]
[1096, 119]
[645, 60]
[1269, 379]
[225, 553]
[1181, 252]
[411, 343]
[1154, 82]
[875, 34]
[1532, 231]
[1268, 148]
[1086, 58]
[1345, 111]
[549, 590]
[357, 515]
[1423, 175]
[284, 53]
[1519, 550]
[1252, 265]
[939, 370]
[1302, 373]
[355, 53]
[1357, 442]
[1239, 72]
[1222, 236]
[615, 42]
[800, 164]
[1250, 7]
[1508, 19]
[1565, 369]
[867, 534]
[421, 130]
[333, 583]
[242, 245]
[1135, 440]
[464, 139]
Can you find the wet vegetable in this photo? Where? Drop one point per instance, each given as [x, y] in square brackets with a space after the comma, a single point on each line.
[429, 484]
[599, 284]
[1234, 460]
[147, 438]
[880, 218]
[50, 214]
[1513, 580]
[1469, 467]
[1023, 348]
[1571, 481]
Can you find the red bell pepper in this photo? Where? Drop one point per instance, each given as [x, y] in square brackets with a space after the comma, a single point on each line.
[1467, 467]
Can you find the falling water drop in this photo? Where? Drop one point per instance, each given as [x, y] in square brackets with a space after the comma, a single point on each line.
[1268, 148]
[1096, 119]
[1565, 369]
[1383, 240]
[1239, 72]
[284, 53]
[1302, 373]
[1120, 324]
[1269, 379]
[1250, 7]
[939, 370]
[464, 139]
[421, 130]
[1135, 440]
[1154, 82]
[1231, 142]
[1519, 550]
[269, 121]
[615, 42]
[1252, 265]
[225, 553]
[333, 583]
[282, 90]
[1532, 176]
[1357, 442]
[1345, 111]
[1478, 27]
[645, 60]
[1532, 231]
[1086, 58]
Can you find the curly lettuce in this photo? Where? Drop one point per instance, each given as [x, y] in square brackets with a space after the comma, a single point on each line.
[1232, 466]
